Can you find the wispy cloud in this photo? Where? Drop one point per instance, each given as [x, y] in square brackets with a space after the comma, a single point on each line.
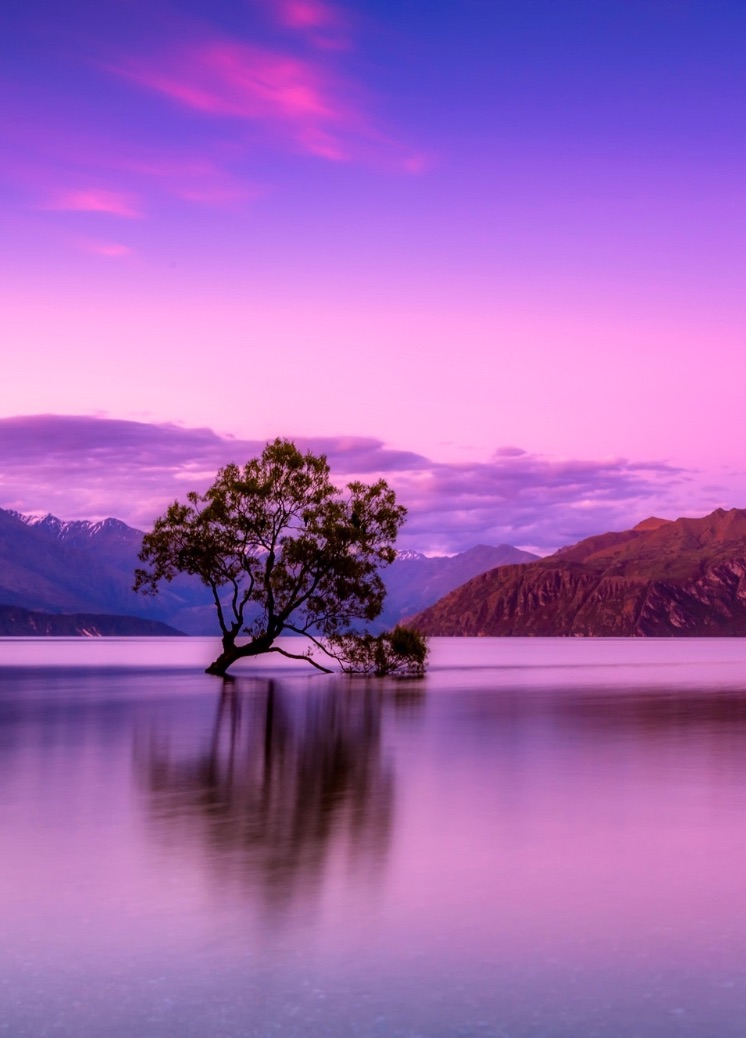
[282, 84]
[322, 24]
[247, 82]
[192, 178]
[96, 200]
[107, 249]
[80, 466]
[298, 99]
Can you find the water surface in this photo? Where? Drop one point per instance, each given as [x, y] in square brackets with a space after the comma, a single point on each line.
[542, 838]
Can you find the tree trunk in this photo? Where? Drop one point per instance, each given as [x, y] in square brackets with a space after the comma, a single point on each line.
[232, 652]
[221, 664]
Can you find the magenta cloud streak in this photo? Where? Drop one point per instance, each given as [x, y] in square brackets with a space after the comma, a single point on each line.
[221, 77]
[107, 249]
[321, 24]
[96, 200]
[86, 467]
[293, 90]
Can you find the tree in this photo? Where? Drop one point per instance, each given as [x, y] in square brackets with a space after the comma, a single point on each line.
[401, 651]
[282, 550]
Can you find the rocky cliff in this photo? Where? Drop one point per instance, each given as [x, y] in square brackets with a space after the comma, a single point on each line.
[663, 578]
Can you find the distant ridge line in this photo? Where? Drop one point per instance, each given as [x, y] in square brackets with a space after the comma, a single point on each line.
[663, 578]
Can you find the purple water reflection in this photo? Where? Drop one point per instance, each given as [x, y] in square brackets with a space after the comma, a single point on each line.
[547, 848]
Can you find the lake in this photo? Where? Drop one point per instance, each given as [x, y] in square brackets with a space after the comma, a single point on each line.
[541, 838]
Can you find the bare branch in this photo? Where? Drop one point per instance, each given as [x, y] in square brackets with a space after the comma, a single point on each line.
[316, 642]
[294, 656]
[219, 607]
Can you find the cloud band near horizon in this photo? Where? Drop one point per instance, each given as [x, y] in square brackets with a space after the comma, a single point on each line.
[91, 467]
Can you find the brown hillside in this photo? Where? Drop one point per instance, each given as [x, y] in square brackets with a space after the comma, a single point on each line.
[663, 578]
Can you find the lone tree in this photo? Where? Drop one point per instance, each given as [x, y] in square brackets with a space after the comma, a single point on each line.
[283, 552]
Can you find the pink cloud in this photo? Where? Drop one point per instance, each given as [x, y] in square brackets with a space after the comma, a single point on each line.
[242, 81]
[321, 23]
[306, 14]
[417, 164]
[110, 250]
[46, 172]
[295, 97]
[195, 180]
[96, 200]
[89, 467]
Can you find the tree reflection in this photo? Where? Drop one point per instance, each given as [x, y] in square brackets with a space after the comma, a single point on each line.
[290, 785]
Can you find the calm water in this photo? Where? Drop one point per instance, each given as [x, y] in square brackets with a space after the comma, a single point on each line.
[542, 838]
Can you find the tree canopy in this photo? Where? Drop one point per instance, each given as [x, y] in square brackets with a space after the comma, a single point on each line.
[283, 551]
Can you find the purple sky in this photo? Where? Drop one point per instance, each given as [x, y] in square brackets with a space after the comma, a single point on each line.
[493, 250]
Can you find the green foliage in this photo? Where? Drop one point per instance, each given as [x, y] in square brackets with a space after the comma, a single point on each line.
[401, 651]
[281, 548]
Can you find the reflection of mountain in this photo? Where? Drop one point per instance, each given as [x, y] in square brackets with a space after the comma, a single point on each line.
[288, 784]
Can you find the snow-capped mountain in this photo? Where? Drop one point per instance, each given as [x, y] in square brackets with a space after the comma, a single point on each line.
[49, 565]
[82, 530]
[414, 578]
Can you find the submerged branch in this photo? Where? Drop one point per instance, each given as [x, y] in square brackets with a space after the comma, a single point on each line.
[302, 656]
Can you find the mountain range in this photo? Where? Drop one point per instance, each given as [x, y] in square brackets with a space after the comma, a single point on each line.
[414, 581]
[684, 577]
[25, 623]
[661, 578]
[48, 566]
